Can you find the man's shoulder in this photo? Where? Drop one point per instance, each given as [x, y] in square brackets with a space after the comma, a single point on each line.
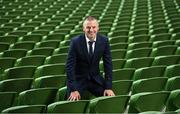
[78, 37]
[102, 37]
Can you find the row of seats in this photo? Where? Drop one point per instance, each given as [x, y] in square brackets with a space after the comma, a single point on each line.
[120, 87]
[144, 39]
[107, 9]
[116, 52]
[140, 102]
[55, 41]
[51, 61]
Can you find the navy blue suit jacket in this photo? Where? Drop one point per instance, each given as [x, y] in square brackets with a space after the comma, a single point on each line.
[80, 68]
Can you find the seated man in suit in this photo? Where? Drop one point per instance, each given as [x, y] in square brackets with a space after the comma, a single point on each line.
[82, 67]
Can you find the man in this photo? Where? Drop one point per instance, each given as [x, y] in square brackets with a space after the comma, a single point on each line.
[85, 53]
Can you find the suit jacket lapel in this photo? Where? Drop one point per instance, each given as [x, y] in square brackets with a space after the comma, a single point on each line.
[84, 48]
[97, 43]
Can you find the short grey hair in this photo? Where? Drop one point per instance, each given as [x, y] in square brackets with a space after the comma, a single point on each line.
[90, 18]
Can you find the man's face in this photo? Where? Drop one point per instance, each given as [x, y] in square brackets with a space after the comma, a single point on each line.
[91, 28]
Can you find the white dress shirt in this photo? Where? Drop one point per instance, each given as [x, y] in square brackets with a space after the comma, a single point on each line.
[93, 45]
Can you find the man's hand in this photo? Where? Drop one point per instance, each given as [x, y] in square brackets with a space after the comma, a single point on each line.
[108, 92]
[74, 96]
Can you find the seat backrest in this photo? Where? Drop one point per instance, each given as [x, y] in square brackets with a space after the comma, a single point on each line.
[50, 69]
[57, 81]
[149, 72]
[26, 109]
[148, 101]
[7, 99]
[166, 60]
[149, 85]
[19, 72]
[139, 62]
[172, 70]
[121, 87]
[115, 104]
[173, 103]
[173, 83]
[34, 60]
[123, 74]
[68, 106]
[38, 96]
[15, 85]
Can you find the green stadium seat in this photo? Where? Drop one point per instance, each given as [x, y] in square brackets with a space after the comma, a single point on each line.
[123, 74]
[28, 45]
[139, 38]
[46, 27]
[159, 30]
[68, 107]
[118, 46]
[115, 104]
[139, 62]
[57, 58]
[160, 37]
[50, 69]
[166, 60]
[18, 33]
[118, 63]
[13, 24]
[19, 72]
[118, 39]
[172, 71]
[173, 101]
[16, 53]
[15, 85]
[118, 53]
[3, 46]
[7, 62]
[26, 109]
[41, 31]
[61, 94]
[65, 43]
[34, 60]
[38, 96]
[148, 101]
[9, 39]
[55, 36]
[57, 81]
[46, 51]
[175, 36]
[7, 99]
[163, 51]
[173, 83]
[138, 53]
[6, 29]
[61, 50]
[50, 43]
[149, 72]
[143, 85]
[121, 87]
[163, 43]
[139, 32]
[28, 28]
[32, 37]
[139, 45]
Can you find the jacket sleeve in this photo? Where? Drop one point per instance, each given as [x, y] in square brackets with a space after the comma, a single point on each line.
[70, 67]
[107, 61]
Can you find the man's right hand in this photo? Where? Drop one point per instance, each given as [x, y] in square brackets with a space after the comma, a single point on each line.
[74, 96]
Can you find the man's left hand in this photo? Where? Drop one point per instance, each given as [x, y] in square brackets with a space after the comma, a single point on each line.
[108, 92]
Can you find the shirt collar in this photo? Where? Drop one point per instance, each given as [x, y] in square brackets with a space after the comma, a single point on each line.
[87, 39]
